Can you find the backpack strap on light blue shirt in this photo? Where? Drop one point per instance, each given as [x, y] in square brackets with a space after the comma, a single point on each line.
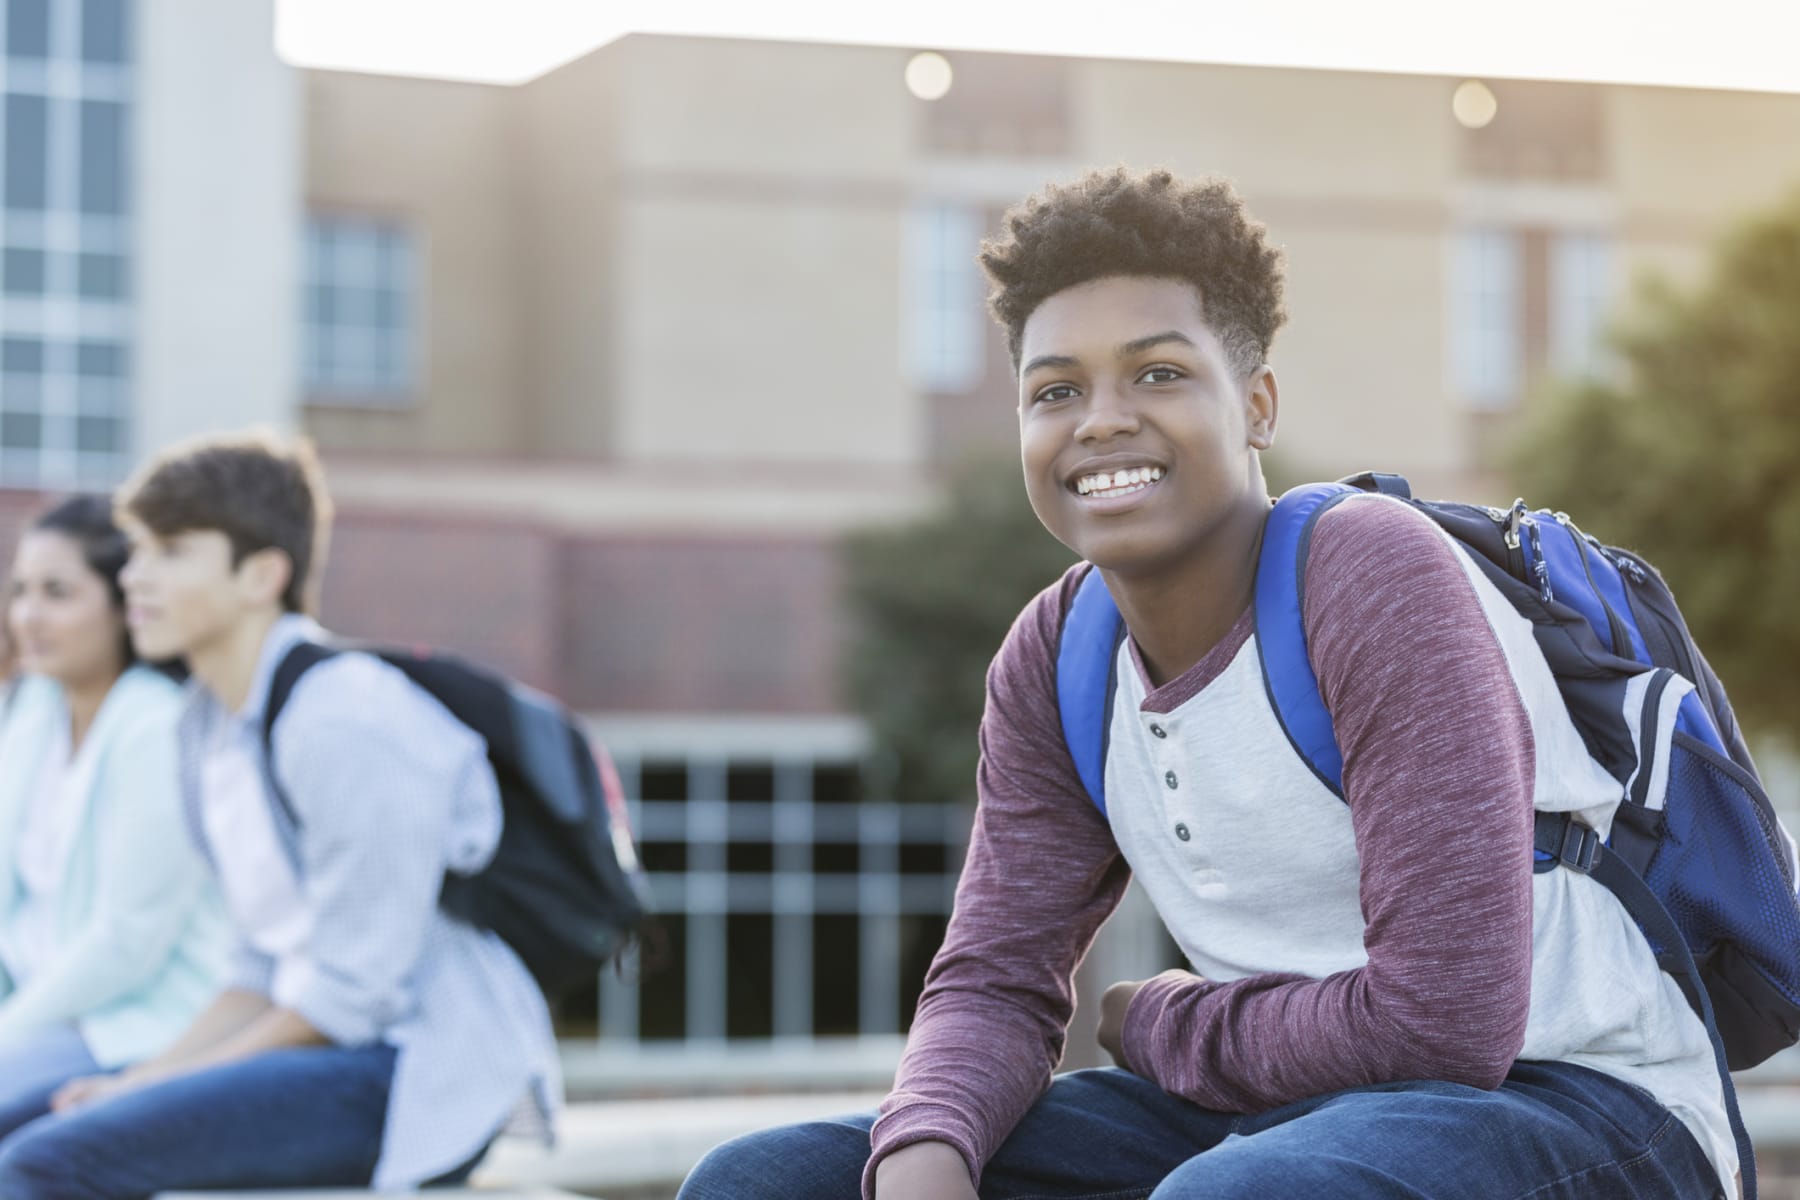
[1086, 659]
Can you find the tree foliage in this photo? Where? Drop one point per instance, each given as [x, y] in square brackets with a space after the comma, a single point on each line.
[930, 603]
[1690, 455]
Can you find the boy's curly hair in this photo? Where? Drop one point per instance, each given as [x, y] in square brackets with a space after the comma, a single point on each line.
[1121, 223]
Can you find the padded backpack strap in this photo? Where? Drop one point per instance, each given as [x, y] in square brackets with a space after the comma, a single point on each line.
[1281, 633]
[1380, 481]
[1085, 660]
[295, 663]
[1579, 849]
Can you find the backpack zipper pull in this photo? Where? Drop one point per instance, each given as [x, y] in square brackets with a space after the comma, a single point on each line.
[1522, 525]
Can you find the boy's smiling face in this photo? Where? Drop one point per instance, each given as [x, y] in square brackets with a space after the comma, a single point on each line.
[1136, 434]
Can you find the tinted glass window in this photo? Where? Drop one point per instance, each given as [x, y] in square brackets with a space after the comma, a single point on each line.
[28, 29]
[103, 33]
[102, 157]
[25, 152]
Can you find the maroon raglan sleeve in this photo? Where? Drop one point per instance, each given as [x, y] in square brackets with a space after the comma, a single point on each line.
[1041, 875]
[1438, 771]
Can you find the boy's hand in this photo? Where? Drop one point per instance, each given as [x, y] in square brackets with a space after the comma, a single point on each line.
[91, 1089]
[924, 1171]
[1113, 1004]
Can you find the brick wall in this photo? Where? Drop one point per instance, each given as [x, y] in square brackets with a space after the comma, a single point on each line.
[701, 625]
[624, 624]
[484, 589]
[620, 624]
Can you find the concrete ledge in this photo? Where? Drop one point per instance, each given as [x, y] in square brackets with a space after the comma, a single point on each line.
[629, 1145]
[435, 1193]
[623, 1145]
[623, 1071]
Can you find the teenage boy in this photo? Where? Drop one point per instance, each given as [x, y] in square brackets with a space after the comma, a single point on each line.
[362, 1037]
[1385, 1001]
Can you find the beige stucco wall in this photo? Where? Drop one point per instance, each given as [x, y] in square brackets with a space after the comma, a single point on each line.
[1689, 164]
[762, 332]
[1321, 135]
[685, 250]
[1699, 156]
[758, 261]
[767, 110]
[439, 156]
[566, 126]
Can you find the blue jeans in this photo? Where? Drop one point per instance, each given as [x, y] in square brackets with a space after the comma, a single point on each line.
[308, 1117]
[1551, 1132]
[33, 1068]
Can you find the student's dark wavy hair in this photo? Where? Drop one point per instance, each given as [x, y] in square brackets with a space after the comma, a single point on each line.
[261, 491]
[1119, 222]
[87, 521]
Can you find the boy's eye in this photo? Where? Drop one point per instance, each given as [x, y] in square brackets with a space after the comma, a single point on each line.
[1160, 375]
[1053, 393]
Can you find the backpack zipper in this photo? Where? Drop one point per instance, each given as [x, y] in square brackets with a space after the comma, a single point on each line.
[1509, 534]
[1621, 638]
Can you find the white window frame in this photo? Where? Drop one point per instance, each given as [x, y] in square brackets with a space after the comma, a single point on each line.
[1487, 342]
[342, 362]
[1583, 288]
[59, 317]
[944, 324]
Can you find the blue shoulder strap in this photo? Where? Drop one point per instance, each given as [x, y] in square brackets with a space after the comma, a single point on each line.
[1281, 634]
[1084, 680]
[1088, 651]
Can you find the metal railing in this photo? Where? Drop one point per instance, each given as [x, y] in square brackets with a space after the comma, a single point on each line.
[799, 918]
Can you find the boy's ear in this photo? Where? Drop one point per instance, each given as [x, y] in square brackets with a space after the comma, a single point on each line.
[265, 573]
[1262, 407]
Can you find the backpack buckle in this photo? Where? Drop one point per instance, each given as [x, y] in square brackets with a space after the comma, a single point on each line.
[1568, 841]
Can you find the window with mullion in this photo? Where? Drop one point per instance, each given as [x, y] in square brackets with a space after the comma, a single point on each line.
[359, 310]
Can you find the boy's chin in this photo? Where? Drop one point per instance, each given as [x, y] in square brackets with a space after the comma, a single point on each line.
[1125, 556]
[155, 649]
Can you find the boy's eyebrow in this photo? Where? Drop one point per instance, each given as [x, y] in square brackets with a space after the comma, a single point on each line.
[1139, 345]
[1135, 346]
[1048, 360]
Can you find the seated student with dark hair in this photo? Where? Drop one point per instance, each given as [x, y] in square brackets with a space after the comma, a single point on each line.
[1386, 1000]
[363, 1036]
[111, 931]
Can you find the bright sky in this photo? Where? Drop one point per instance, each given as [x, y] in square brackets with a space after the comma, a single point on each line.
[1747, 44]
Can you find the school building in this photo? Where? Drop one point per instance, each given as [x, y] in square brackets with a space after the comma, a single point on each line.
[602, 365]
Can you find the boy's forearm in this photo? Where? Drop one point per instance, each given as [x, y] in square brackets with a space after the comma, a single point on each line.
[275, 1028]
[227, 1015]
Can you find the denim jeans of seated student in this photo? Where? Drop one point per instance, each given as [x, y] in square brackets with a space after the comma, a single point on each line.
[34, 1067]
[1551, 1132]
[309, 1117]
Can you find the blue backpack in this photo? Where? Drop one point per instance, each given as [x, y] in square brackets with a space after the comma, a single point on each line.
[1695, 854]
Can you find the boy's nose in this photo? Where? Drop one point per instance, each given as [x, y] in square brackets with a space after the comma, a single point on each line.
[1109, 414]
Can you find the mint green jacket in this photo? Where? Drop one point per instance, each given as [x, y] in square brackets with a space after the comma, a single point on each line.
[141, 931]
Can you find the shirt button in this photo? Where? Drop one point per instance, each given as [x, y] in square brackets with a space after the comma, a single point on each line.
[1159, 731]
[1169, 778]
[1181, 831]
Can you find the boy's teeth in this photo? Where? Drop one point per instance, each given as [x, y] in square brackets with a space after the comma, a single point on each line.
[1130, 477]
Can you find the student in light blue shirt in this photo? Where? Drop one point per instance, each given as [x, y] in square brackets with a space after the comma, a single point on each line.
[363, 1036]
[111, 931]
